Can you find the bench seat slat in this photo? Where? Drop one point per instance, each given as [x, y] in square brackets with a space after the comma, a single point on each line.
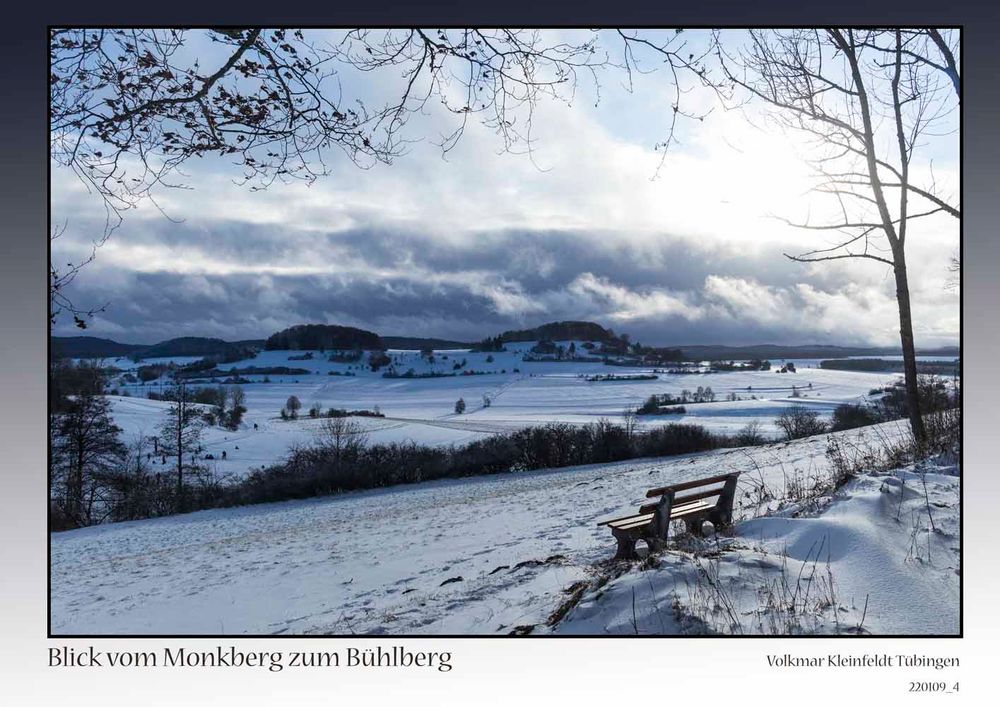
[641, 521]
[631, 520]
[623, 518]
[644, 515]
[690, 511]
[650, 507]
[674, 515]
[638, 525]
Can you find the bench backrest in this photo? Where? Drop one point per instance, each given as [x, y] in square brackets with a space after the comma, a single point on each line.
[726, 492]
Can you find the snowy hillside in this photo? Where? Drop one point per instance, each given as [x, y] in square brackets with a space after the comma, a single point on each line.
[521, 553]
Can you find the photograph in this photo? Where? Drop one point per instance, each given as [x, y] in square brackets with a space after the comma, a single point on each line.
[547, 331]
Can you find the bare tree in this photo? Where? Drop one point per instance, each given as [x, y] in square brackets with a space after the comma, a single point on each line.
[630, 421]
[180, 433]
[85, 445]
[341, 438]
[237, 406]
[61, 277]
[868, 100]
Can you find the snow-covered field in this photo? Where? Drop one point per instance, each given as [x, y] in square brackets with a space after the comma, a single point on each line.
[522, 393]
[492, 555]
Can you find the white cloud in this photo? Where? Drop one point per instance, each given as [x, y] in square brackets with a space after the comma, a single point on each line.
[624, 305]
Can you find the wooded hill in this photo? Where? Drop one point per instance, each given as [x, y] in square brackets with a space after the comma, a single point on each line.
[94, 347]
[561, 331]
[323, 336]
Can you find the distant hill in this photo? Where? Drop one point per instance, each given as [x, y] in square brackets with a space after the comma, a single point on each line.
[561, 331]
[417, 343]
[940, 351]
[90, 347]
[713, 352]
[322, 336]
[188, 346]
[93, 347]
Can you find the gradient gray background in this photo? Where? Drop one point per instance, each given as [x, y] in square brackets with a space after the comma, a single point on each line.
[499, 671]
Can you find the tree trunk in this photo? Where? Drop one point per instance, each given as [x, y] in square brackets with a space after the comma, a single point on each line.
[75, 500]
[909, 351]
[180, 456]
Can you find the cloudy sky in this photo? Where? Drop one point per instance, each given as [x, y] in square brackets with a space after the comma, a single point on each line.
[478, 241]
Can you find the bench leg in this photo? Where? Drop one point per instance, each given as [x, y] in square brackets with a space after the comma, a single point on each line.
[694, 527]
[626, 548]
[722, 517]
[721, 520]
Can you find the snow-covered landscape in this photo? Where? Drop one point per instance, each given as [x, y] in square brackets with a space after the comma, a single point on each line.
[409, 346]
[521, 394]
[521, 553]
[504, 554]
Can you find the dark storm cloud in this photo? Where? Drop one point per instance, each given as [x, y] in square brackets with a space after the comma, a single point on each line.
[542, 260]
[408, 283]
[539, 260]
[155, 306]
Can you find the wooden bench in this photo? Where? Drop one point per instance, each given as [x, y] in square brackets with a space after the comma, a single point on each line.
[652, 523]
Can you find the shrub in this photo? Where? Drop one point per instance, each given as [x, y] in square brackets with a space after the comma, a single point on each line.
[459, 406]
[151, 372]
[352, 356]
[799, 422]
[934, 397]
[944, 432]
[846, 417]
[336, 412]
[378, 359]
[678, 438]
[750, 435]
